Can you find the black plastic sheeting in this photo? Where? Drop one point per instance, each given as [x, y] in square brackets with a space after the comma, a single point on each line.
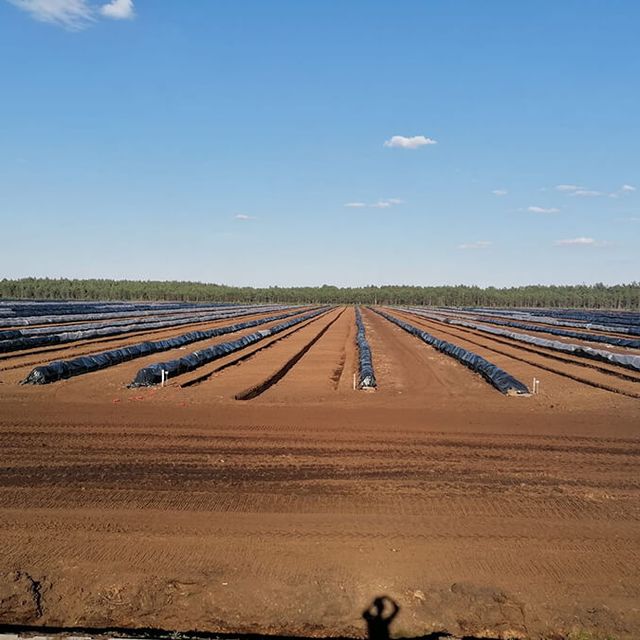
[132, 320]
[608, 318]
[18, 308]
[25, 305]
[528, 317]
[109, 330]
[10, 335]
[152, 375]
[587, 337]
[500, 379]
[592, 315]
[85, 364]
[48, 319]
[366, 377]
[620, 359]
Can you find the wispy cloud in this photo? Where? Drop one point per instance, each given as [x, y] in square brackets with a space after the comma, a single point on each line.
[479, 244]
[499, 192]
[244, 217]
[624, 190]
[385, 204]
[536, 209]
[583, 192]
[411, 142]
[74, 14]
[71, 14]
[380, 204]
[118, 9]
[580, 242]
[586, 193]
[575, 190]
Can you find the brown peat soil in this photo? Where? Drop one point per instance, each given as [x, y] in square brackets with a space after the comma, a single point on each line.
[185, 508]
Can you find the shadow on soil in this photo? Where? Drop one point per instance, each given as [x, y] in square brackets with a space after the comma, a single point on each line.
[164, 634]
[378, 618]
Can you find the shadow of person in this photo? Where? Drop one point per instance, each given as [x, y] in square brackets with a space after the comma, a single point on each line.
[379, 617]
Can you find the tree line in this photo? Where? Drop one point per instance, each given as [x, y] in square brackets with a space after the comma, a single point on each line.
[596, 296]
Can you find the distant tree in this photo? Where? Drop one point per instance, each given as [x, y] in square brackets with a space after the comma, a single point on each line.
[598, 296]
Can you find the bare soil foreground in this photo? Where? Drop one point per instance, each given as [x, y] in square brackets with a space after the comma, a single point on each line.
[186, 508]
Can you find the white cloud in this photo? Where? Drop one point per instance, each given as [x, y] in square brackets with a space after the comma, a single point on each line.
[74, 14]
[413, 142]
[499, 192]
[71, 14]
[534, 209]
[480, 244]
[575, 190]
[118, 9]
[624, 190]
[586, 193]
[577, 242]
[243, 216]
[386, 203]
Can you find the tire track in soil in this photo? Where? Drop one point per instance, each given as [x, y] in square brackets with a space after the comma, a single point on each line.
[25, 439]
[591, 560]
[536, 360]
[121, 498]
[225, 498]
[421, 528]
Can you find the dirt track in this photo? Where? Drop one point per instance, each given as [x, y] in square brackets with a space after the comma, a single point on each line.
[183, 508]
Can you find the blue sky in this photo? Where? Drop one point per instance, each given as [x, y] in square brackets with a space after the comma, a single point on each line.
[491, 143]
